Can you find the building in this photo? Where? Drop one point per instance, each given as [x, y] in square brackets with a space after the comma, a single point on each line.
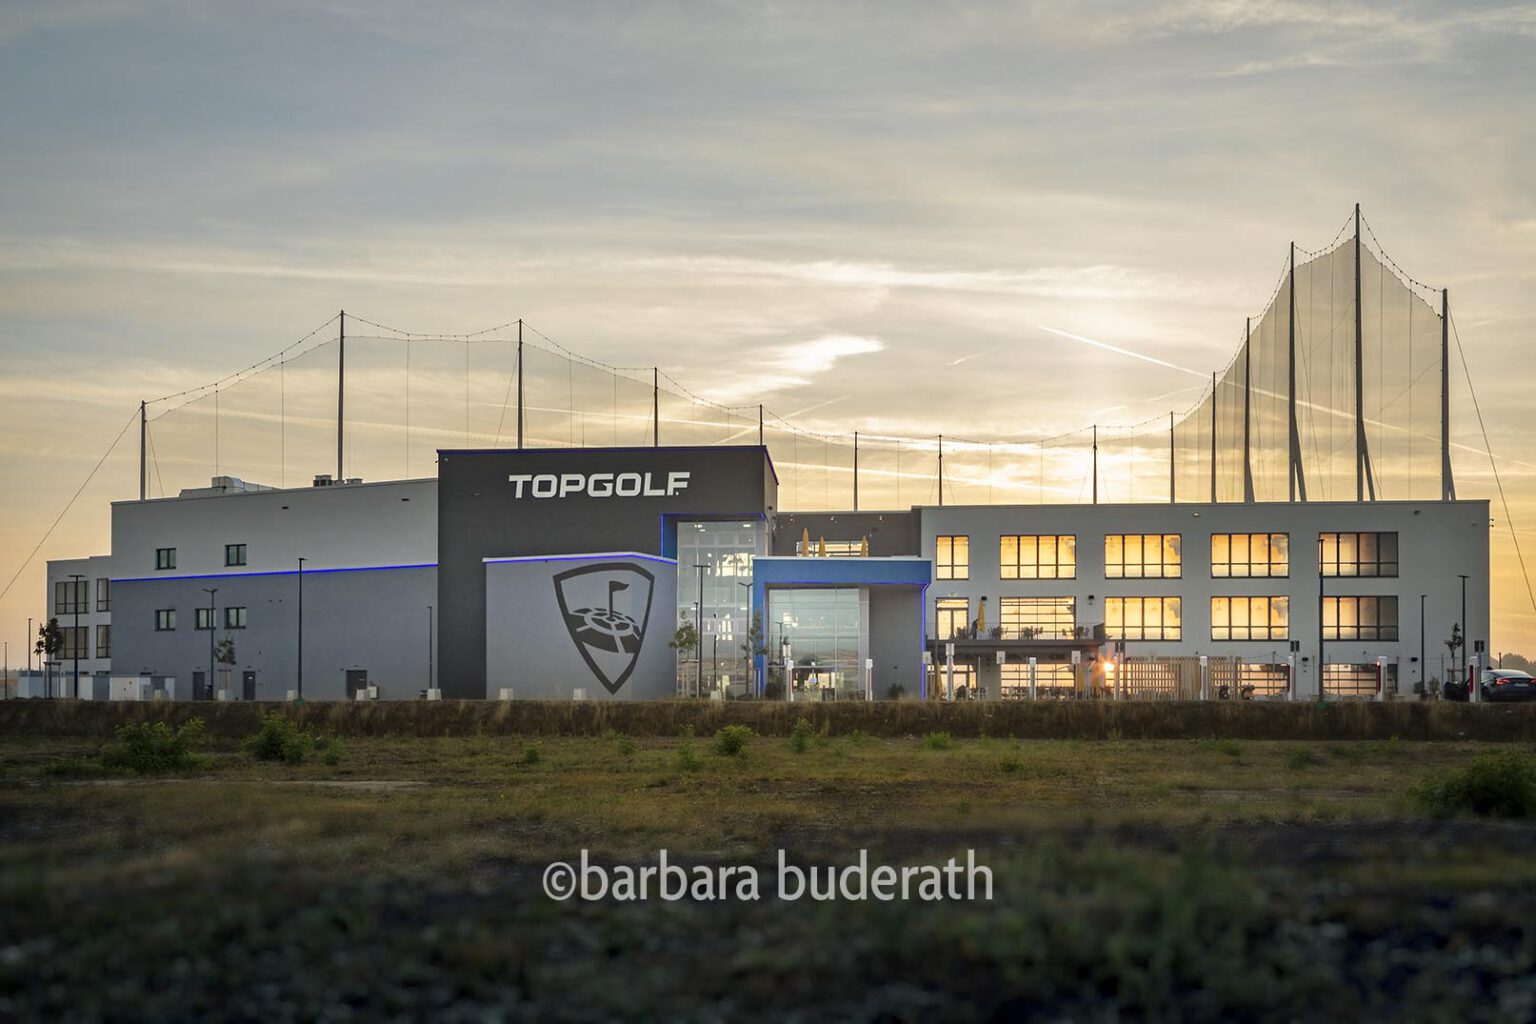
[561, 573]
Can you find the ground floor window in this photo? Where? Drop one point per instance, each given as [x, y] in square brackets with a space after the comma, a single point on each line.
[820, 629]
[1054, 680]
[1345, 681]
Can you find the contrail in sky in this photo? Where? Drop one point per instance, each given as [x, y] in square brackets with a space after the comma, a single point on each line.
[1106, 346]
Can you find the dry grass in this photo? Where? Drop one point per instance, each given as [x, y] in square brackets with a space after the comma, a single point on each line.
[1407, 720]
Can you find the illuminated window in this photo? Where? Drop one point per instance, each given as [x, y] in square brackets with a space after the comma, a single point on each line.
[1250, 554]
[1356, 680]
[1360, 618]
[1143, 556]
[833, 548]
[950, 615]
[1038, 618]
[1038, 557]
[1359, 554]
[1053, 681]
[1250, 618]
[952, 560]
[1144, 618]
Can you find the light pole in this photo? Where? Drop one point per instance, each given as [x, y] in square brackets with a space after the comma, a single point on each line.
[714, 650]
[74, 637]
[430, 686]
[1423, 666]
[1321, 661]
[29, 646]
[698, 685]
[299, 689]
[1465, 633]
[213, 611]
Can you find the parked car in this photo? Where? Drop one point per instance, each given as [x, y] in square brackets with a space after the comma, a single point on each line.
[1508, 684]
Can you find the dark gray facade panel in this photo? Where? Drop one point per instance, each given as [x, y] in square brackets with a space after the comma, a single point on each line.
[599, 625]
[499, 504]
[362, 619]
[891, 534]
[896, 639]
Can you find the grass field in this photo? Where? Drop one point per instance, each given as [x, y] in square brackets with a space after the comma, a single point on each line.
[1134, 879]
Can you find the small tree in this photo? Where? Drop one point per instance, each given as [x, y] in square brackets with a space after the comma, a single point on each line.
[685, 641]
[755, 646]
[224, 654]
[1456, 642]
[50, 641]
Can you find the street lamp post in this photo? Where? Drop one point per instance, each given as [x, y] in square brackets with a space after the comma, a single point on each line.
[213, 612]
[29, 646]
[299, 689]
[698, 681]
[74, 637]
[430, 684]
[1321, 633]
[1423, 666]
[1465, 634]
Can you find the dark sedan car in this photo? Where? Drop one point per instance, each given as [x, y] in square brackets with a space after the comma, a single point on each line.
[1507, 684]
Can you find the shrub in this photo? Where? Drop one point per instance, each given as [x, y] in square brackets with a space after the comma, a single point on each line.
[1010, 765]
[1490, 785]
[533, 754]
[278, 739]
[146, 748]
[800, 736]
[329, 750]
[687, 757]
[938, 741]
[625, 745]
[732, 740]
[1231, 748]
[1301, 757]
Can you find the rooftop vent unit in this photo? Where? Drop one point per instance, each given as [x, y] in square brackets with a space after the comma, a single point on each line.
[353, 480]
[324, 480]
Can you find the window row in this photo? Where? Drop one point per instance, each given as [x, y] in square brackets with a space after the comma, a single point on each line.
[1160, 556]
[234, 554]
[1161, 618]
[73, 597]
[234, 618]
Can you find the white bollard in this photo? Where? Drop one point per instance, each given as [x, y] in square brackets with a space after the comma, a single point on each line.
[506, 693]
[1205, 677]
[1034, 676]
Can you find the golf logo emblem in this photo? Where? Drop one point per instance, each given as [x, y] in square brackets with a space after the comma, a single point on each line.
[606, 608]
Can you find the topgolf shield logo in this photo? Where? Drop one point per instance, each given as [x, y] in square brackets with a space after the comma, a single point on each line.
[606, 608]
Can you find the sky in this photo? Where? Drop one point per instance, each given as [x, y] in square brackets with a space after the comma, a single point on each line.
[987, 220]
